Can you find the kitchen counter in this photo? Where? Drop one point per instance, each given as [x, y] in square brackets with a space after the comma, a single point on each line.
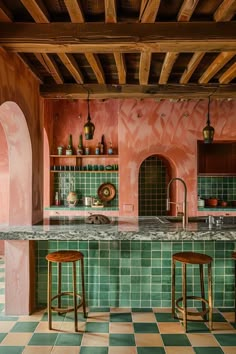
[122, 228]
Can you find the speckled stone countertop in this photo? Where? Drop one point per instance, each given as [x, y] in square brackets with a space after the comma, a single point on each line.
[122, 228]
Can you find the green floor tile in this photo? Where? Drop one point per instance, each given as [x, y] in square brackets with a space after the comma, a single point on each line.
[150, 350]
[141, 309]
[97, 327]
[145, 328]
[11, 350]
[94, 350]
[197, 327]
[165, 317]
[2, 291]
[175, 340]
[68, 317]
[24, 327]
[99, 309]
[43, 339]
[55, 317]
[122, 340]
[227, 339]
[69, 339]
[208, 350]
[120, 317]
[2, 307]
[217, 317]
[2, 336]
[8, 318]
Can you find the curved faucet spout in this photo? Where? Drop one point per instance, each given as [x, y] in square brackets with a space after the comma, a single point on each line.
[168, 202]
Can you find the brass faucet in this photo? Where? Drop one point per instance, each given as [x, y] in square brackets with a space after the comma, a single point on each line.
[168, 202]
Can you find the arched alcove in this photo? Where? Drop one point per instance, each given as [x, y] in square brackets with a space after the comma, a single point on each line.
[154, 174]
[19, 150]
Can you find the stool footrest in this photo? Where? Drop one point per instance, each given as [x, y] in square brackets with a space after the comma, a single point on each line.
[66, 309]
[191, 313]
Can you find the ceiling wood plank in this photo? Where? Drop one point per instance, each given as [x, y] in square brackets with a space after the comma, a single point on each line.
[225, 11]
[30, 67]
[191, 67]
[121, 67]
[70, 63]
[110, 11]
[144, 67]
[167, 66]
[95, 64]
[51, 66]
[148, 10]
[74, 91]
[37, 10]
[75, 10]
[5, 14]
[215, 66]
[186, 10]
[228, 75]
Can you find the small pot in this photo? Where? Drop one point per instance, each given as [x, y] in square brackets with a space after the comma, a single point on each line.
[212, 202]
[223, 203]
[88, 201]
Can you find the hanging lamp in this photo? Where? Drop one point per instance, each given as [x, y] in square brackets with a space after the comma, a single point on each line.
[208, 131]
[89, 127]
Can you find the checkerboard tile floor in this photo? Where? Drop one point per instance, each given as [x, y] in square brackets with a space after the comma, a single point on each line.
[114, 331]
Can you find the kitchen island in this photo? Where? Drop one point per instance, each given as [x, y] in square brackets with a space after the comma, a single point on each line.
[127, 262]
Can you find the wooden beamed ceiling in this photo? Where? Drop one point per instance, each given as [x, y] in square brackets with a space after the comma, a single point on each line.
[118, 48]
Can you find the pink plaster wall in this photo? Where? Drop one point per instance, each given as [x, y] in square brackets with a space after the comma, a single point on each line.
[143, 128]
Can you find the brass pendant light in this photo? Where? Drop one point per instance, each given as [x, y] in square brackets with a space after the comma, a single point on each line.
[208, 131]
[89, 127]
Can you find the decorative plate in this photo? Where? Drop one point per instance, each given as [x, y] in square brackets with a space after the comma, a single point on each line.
[106, 192]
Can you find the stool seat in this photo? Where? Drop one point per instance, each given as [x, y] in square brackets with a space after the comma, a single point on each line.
[192, 258]
[64, 256]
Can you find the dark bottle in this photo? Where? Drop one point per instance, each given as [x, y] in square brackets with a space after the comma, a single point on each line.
[69, 149]
[80, 149]
[102, 145]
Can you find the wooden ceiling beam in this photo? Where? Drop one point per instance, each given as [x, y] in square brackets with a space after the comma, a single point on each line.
[37, 10]
[50, 65]
[228, 75]
[121, 67]
[30, 67]
[110, 11]
[144, 67]
[225, 11]
[191, 67]
[5, 13]
[95, 64]
[148, 10]
[215, 66]
[167, 66]
[74, 91]
[75, 10]
[70, 63]
[186, 10]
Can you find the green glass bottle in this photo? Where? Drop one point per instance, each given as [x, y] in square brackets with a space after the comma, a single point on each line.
[69, 149]
[80, 149]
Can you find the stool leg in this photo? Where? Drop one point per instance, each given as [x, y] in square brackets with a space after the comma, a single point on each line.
[75, 296]
[83, 287]
[210, 299]
[173, 289]
[184, 296]
[202, 288]
[59, 287]
[49, 294]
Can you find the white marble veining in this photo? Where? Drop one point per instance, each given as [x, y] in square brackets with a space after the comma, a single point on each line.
[122, 228]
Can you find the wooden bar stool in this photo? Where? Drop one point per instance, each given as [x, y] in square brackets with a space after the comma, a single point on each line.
[192, 258]
[61, 257]
[234, 257]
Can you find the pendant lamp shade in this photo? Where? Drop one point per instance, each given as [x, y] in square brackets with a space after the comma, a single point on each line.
[208, 131]
[89, 127]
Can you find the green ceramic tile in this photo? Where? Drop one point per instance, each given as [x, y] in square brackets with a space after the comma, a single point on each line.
[175, 340]
[121, 340]
[11, 350]
[68, 339]
[150, 350]
[120, 317]
[97, 327]
[145, 328]
[2, 336]
[226, 339]
[197, 327]
[208, 350]
[8, 318]
[42, 339]
[94, 350]
[24, 327]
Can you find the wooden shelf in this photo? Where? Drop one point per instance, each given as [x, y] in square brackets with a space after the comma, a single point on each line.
[81, 171]
[84, 156]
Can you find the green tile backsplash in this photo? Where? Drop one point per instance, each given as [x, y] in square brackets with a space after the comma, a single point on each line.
[221, 187]
[138, 273]
[85, 184]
